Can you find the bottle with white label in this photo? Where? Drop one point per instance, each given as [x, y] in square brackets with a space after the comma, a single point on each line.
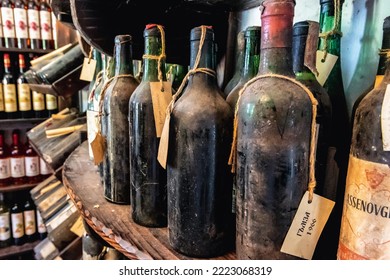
[38, 101]
[31, 161]
[51, 104]
[46, 25]
[9, 90]
[21, 24]
[365, 226]
[5, 223]
[5, 166]
[34, 25]
[41, 227]
[8, 22]
[24, 92]
[18, 173]
[17, 224]
[30, 222]
[2, 42]
[44, 169]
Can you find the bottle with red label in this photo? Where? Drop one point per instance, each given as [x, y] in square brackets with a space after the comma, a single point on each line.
[5, 166]
[8, 22]
[31, 161]
[21, 24]
[46, 25]
[34, 26]
[18, 172]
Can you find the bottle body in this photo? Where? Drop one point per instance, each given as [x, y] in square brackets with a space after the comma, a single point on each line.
[8, 23]
[9, 90]
[24, 92]
[18, 171]
[32, 165]
[21, 24]
[147, 177]
[17, 224]
[51, 104]
[200, 220]
[41, 227]
[5, 164]
[5, 223]
[38, 104]
[46, 25]
[34, 26]
[30, 222]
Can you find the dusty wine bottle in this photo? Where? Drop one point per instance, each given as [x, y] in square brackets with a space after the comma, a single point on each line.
[148, 179]
[365, 223]
[200, 220]
[115, 125]
[273, 142]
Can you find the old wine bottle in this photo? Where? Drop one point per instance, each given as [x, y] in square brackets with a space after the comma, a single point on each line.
[200, 221]
[8, 23]
[302, 46]
[46, 25]
[5, 223]
[250, 63]
[148, 179]
[273, 142]
[115, 125]
[365, 223]
[24, 92]
[34, 26]
[21, 25]
[340, 136]
[5, 165]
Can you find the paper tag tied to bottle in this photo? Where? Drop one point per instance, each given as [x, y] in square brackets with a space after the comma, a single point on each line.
[161, 97]
[385, 120]
[307, 225]
[325, 66]
[162, 155]
[78, 227]
[98, 146]
[88, 70]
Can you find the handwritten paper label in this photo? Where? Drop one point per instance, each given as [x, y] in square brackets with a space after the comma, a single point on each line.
[306, 228]
[385, 120]
[161, 97]
[324, 67]
[88, 70]
[162, 155]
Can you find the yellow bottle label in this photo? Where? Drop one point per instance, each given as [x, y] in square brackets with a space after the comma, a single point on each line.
[10, 98]
[1, 99]
[365, 225]
[51, 102]
[24, 97]
[38, 101]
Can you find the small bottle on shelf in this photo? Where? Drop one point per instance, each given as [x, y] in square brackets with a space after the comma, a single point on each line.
[46, 25]
[30, 224]
[21, 25]
[5, 169]
[17, 224]
[5, 223]
[51, 105]
[41, 227]
[9, 90]
[24, 92]
[32, 165]
[7, 19]
[34, 26]
[17, 160]
[44, 169]
[38, 101]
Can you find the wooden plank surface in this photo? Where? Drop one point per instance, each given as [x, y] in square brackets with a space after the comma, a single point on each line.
[14, 250]
[113, 221]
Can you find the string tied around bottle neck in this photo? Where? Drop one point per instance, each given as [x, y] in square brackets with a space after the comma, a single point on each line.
[160, 57]
[336, 29]
[385, 53]
[233, 152]
[98, 80]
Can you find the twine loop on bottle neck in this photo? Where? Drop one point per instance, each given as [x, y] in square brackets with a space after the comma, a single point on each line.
[335, 29]
[385, 53]
[233, 152]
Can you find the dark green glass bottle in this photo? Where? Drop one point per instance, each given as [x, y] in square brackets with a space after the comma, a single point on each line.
[5, 223]
[200, 221]
[250, 63]
[340, 138]
[115, 125]
[148, 179]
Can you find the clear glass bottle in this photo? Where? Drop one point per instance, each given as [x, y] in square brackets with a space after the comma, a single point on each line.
[18, 172]
[148, 179]
[200, 220]
[115, 124]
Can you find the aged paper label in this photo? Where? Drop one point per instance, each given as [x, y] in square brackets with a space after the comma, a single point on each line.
[324, 67]
[161, 97]
[10, 103]
[88, 70]
[98, 146]
[365, 225]
[385, 120]
[309, 221]
[162, 155]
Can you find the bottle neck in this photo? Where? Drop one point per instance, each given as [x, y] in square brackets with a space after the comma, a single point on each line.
[153, 47]
[302, 73]
[251, 57]
[382, 58]
[206, 56]
[327, 21]
[123, 58]
[276, 34]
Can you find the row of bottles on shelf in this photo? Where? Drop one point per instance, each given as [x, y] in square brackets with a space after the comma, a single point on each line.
[19, 163]
[284, 134]
[20, 222]
[17, 100]
[27, 24]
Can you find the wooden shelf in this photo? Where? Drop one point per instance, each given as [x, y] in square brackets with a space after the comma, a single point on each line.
[17, 250]
[20, 123]
[17, 50]
[13, 188]
[112, 221]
